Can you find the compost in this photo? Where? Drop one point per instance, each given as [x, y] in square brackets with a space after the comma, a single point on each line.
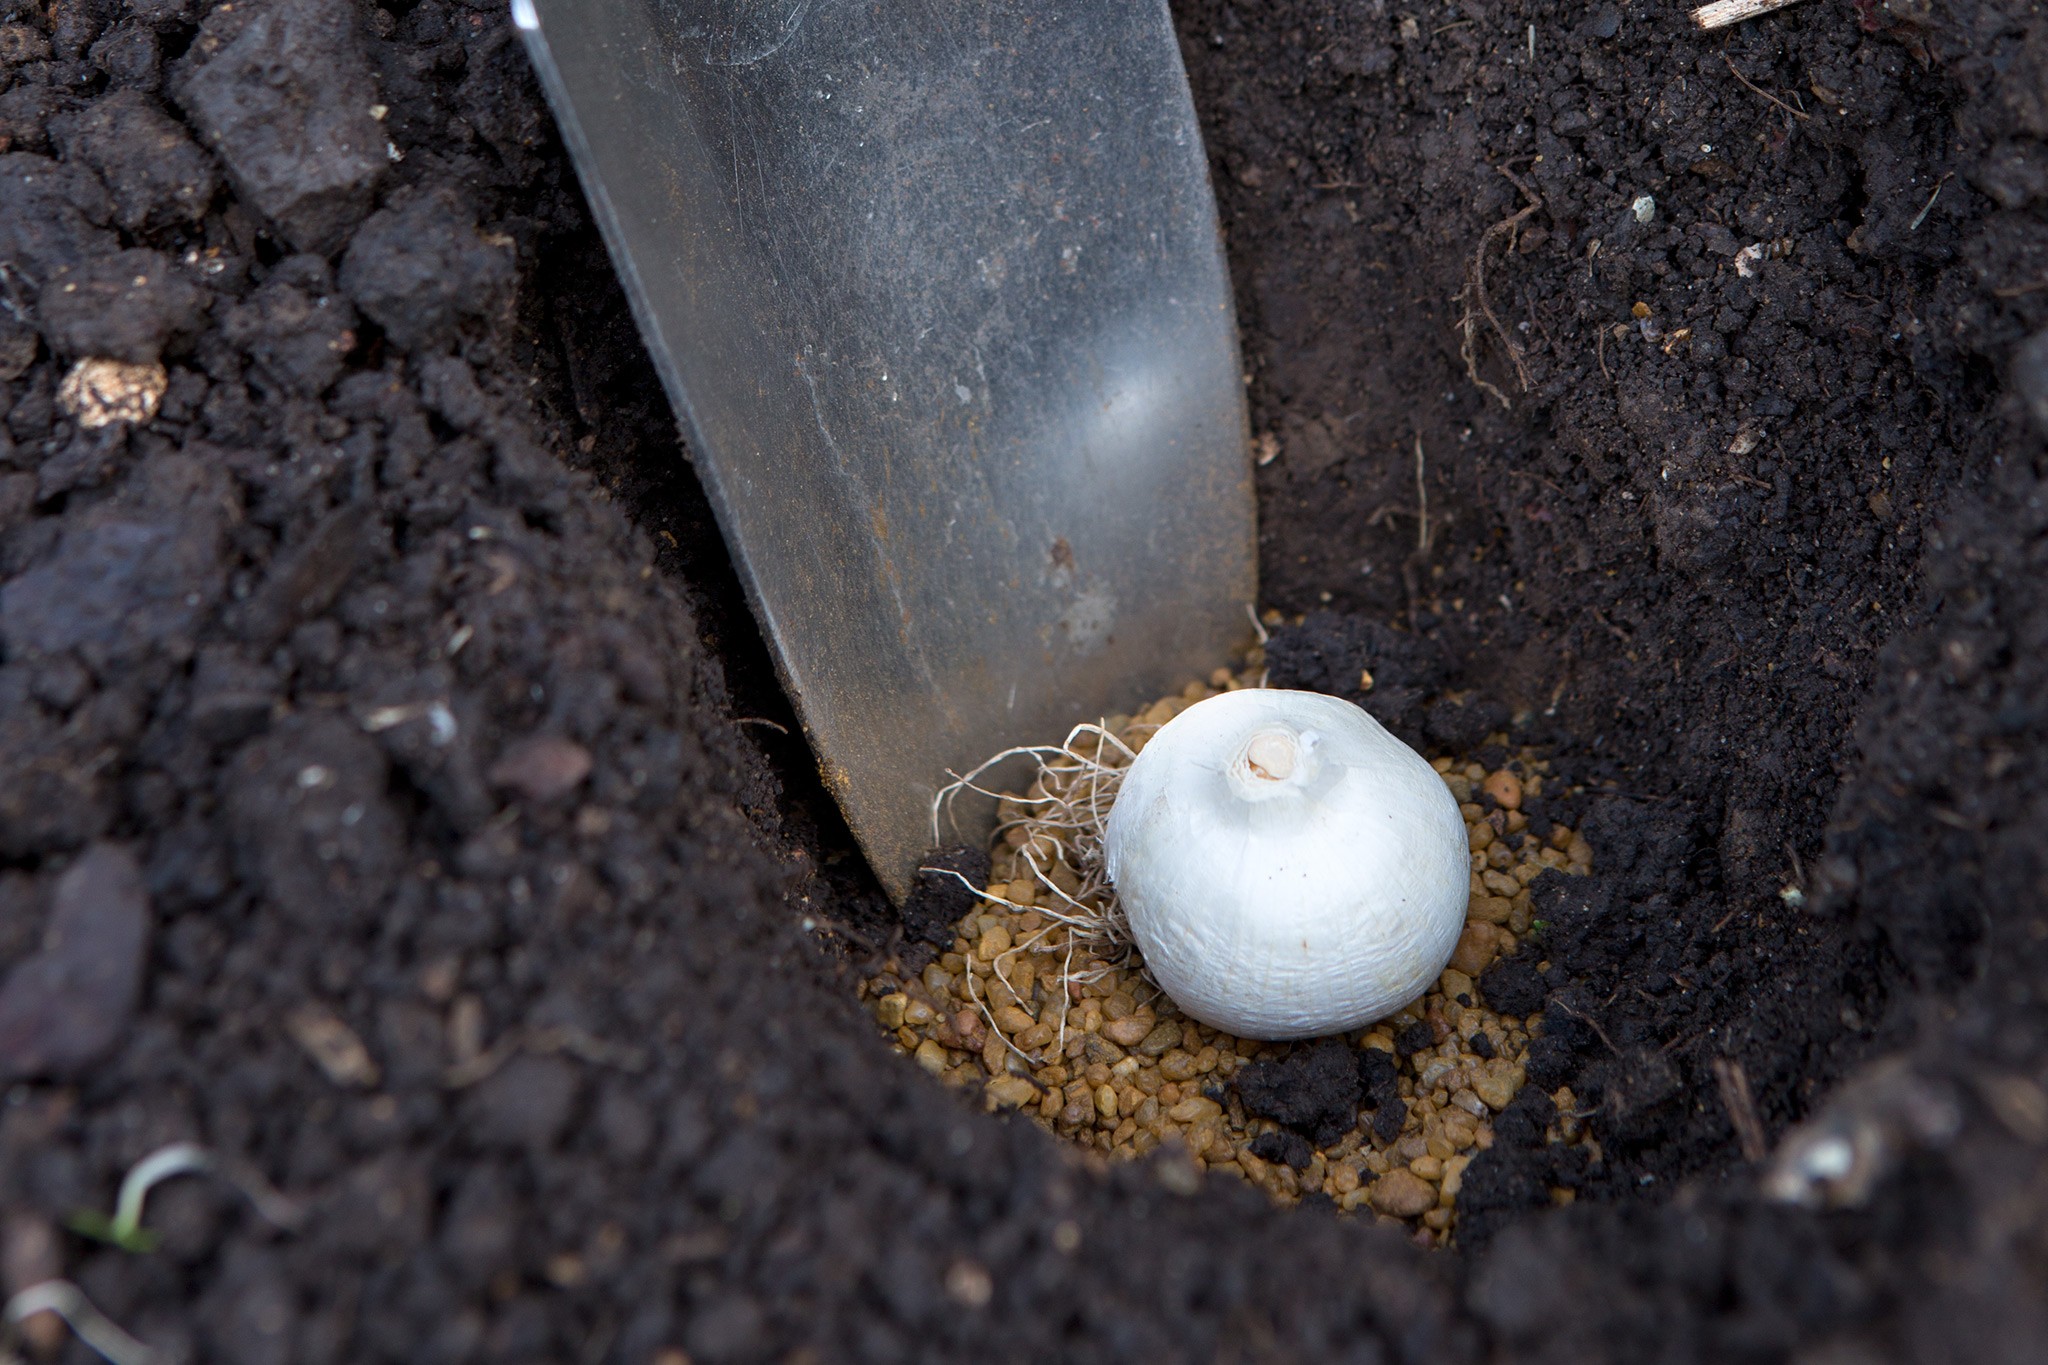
[394, 798]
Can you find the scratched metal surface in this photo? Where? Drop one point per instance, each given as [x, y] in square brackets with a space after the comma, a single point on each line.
[937, 294]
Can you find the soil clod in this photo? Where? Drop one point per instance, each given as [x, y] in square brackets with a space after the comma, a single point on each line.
[64, 1007]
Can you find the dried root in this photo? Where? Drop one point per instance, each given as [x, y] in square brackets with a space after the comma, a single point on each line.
[1048, 838]
[1478, 306]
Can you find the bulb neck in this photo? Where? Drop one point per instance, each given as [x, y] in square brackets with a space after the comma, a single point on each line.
[1273, 761]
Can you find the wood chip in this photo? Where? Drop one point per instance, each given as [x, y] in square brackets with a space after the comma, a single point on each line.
[333, 1046]
[1725, 13]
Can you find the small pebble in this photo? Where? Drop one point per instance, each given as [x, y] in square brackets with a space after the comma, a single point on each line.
[1489, 910]
[31, 1253]
[543, 768]
[1402, 1194]
[1497, 1084]
[333, 1045]
[1162, 1038]
[995, 941]
[63, 1007]
[1477, 947]
[1505, 789]
[969, 1284]
[1012, 1020]
[1128, 1032]
[1012, 1092]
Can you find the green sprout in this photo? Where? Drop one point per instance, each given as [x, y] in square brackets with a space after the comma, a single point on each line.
[68, 1302]
[125, 1229]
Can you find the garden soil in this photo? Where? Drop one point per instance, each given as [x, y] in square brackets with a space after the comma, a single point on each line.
[391, 798]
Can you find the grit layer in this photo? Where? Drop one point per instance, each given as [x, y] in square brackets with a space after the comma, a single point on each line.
[1042, 1005]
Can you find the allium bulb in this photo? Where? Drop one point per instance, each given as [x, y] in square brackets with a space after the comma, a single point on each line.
[1287, 867]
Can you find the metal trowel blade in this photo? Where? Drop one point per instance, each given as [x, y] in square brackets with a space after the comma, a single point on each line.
[937, 293]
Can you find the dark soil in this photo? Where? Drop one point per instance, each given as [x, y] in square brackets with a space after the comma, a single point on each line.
[383, 714]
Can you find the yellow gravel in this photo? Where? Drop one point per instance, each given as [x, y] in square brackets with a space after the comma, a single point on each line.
[1069, 1028]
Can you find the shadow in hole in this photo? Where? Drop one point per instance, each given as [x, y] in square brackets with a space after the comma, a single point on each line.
[600, 391]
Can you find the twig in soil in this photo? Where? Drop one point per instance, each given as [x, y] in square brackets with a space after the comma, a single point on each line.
[1421, 501]
[1535, 478]
[1616, 631]
[1928, 207]
[125, 1229]
[575, 1042]
[777, 726]
[1733, 71]
[14, 294]
[1475, 293]
[1726, 13]
[1741, 1107]
[68, 1302]
[858, 940]
[1590, 1022]
[1536, 321]
[1386, 512]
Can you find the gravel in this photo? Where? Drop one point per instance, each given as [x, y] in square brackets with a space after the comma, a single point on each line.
[1062, 1022]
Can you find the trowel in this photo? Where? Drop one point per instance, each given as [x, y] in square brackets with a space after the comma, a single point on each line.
[938, 297]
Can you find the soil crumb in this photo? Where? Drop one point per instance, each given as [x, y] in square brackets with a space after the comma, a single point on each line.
[1037, 1004]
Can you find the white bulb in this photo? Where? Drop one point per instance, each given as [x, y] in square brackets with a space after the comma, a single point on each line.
[1288, 868]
